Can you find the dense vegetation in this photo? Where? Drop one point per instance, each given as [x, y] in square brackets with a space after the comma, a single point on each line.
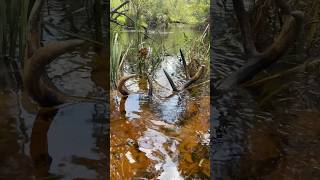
[150, 13]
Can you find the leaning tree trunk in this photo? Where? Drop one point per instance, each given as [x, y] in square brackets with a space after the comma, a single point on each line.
[258, 61]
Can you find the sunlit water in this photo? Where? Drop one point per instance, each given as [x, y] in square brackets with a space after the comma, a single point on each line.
[161, 137]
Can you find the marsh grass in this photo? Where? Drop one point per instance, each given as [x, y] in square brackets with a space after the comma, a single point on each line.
[115, 58]
[13, 24]
[198, 52]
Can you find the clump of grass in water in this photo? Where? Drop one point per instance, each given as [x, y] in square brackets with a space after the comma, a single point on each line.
[150, 61]
[13, 23]
[115, 58]
[199, 51]
[118, 54]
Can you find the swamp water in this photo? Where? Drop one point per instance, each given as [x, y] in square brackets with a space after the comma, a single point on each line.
[270, 132]
[164, 136]
[68, 143]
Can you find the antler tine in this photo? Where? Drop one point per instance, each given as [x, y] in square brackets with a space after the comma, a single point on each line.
[184, 64]
[121, 84]
[150, 90]
[173, 86]
[194, 78]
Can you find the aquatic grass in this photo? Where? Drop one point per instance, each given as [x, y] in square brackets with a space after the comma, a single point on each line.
[118, 54]
[3, 28]
[13, 23]
[198, 51]
[115, 57]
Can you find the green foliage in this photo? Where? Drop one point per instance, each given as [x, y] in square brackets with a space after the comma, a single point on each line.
[115, 58]
[161, 12]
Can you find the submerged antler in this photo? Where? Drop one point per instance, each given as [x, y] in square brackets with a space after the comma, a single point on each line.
[35, 79]
[188, 83]
[39, 88]
[257, 61]
[121, 84]
[123, 89]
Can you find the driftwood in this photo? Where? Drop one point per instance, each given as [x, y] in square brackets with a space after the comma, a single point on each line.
[258, 61]
[35, 79]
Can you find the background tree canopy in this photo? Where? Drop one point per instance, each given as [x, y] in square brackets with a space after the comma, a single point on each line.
[151, 13]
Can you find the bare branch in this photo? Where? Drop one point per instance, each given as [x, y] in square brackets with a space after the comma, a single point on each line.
[119, 7]
[150, 90]
[289, 33]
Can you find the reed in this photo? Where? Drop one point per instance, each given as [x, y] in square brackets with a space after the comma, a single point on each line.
[13, 24]
[115, 58]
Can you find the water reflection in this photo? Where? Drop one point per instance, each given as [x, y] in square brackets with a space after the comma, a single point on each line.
[264, 132]
[61, 146]
[39, 142]
[163, 136]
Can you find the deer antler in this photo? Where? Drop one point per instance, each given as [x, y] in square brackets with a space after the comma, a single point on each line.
[123, 89]
[262, 60]
[121, 84]
[188, 83]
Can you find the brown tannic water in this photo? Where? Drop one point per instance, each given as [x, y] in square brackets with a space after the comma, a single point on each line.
[165, 136]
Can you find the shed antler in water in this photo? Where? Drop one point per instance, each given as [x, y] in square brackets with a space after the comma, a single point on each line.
[257, 61]
[124, 91]
[35, 78]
